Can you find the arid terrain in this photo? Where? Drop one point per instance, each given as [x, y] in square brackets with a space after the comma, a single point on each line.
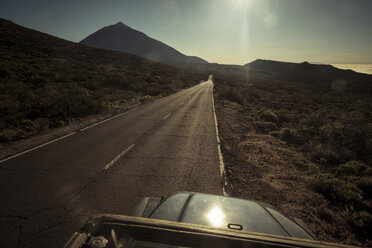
[305, 148]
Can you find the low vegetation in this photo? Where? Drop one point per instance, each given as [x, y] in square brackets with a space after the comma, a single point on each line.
[305, 148]
[46, 82]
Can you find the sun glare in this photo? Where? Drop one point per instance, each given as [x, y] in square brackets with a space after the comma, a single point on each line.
[215, 216]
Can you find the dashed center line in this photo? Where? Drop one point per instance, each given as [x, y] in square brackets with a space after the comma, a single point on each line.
[118, 157]
[165, 117]
[95, 124]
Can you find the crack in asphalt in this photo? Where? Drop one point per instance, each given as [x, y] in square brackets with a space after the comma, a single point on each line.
[47, 170]
[185, 136]
[190, 173]
[172, 158]
[177, 135]
[158, 176]
[13, 216]
[25, 219]
[20, 235]
[53, 225]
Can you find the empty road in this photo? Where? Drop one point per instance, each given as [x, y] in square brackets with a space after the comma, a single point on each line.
[165, 146]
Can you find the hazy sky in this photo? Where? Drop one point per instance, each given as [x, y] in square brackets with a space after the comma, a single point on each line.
[223, 31]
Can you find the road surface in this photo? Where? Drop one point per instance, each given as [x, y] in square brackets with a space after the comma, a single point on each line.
[162, 147]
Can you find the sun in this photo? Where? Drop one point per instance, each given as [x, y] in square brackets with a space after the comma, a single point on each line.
[241, 4]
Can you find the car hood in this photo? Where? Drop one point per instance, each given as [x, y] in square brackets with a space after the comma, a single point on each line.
[228, 213]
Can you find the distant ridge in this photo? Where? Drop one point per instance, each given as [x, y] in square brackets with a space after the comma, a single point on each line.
[268, 65]
[120, 37]
[319, 73]
[302, 72]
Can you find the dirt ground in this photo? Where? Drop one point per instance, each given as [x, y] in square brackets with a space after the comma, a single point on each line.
[264, 168]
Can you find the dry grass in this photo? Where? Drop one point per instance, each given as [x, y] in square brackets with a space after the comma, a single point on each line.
[303, 149]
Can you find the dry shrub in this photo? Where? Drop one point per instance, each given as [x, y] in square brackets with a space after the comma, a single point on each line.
[336, 190]
[352, 168]
[326, 157]
[232, 95]
[361, 221]
[365, 184]
[269, 116]
[264, 126]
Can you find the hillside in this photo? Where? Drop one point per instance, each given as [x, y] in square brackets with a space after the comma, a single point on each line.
[46, 82]
[302, 142]
[120, 37]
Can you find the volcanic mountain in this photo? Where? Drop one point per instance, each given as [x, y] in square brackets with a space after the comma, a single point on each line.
[120, 37]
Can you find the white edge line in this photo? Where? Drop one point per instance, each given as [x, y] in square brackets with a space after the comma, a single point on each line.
[85, 128]
[220, 157]
[118, 157]
[165, 117]
[63, 137]
[36, 147]
[108, 119]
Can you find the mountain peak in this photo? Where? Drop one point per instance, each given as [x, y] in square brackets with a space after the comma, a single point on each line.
[120, 37]
[120, 24]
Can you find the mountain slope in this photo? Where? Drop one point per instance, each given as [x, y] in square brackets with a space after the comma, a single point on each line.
[47, 82]
[120, 37]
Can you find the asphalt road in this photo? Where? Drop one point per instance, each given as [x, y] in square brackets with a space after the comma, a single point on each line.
[162, 147]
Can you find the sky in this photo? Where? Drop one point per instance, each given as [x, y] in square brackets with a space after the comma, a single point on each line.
[221, 31]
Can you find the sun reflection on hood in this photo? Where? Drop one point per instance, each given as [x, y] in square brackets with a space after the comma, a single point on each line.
[216, 216]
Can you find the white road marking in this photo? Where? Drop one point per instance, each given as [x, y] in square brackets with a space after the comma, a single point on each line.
[83, 129]
[165, 117]
[52, 141]
[118, 157]
[36, 147]
[182, 103]
[220, 157]
[96, 124]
